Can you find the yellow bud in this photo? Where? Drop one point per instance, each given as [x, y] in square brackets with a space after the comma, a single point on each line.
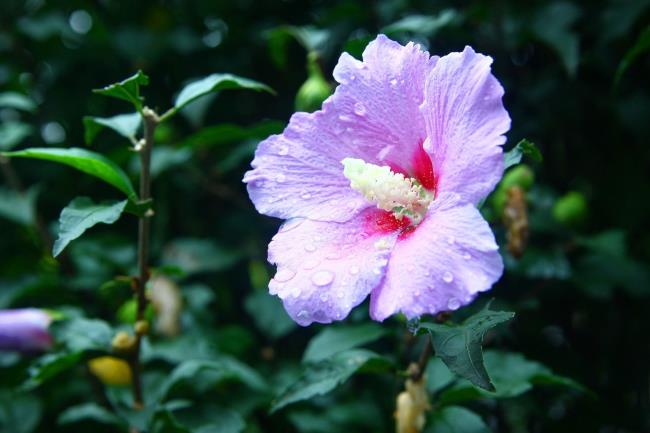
[141, 327]
[411, 407]
[110, 370]
[123, 342]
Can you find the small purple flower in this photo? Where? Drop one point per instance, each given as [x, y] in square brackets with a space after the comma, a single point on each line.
[24, 330]
[380, 187]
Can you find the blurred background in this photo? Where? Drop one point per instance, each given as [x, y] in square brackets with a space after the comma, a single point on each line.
[576, 84]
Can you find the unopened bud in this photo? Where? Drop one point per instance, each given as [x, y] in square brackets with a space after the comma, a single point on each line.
[315, 90]
[110, 370]
[411, 407]
[570, 209]
[141, 327]
[123, 342]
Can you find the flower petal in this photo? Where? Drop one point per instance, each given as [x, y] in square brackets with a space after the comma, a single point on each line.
[325, 269]
[373, 115]
[465, 121]
[443, 264]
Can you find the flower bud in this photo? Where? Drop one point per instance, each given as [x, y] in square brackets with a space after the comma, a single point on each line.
[411, 406]
[521, 176]
[110, 370]
[123, 342]
[315, 90]
[141, 327]
[24, 330]
[570, 209]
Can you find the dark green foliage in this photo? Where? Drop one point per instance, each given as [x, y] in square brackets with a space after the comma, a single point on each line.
[575, 76]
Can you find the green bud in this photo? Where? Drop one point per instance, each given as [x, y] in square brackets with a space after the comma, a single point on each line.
[521, 176]
[570, 209]
[315, 90]
[127, 313]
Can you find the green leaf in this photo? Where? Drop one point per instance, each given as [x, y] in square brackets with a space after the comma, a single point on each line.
[454, 419]
[91, 163]
[524, 147]
[224, 368]
[459, 346]
[80, 335]
[12, 134]
[82, 214]
[552, 25]
[128, 90]
[513, 375]
[426, 25]
[17, 100]
[17, 206]
[49, 366]
[269, 314]
[213, 83]
[199, 255]
[335, 339]
[641, 45]
[19, 412]
[322, 377]
[88, 412]
[124, 124]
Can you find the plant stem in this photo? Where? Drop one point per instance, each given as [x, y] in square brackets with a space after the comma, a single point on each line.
[423, 360]
[151, 121]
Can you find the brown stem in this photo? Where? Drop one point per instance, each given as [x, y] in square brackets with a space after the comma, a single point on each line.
[421, 366]
[151, 121]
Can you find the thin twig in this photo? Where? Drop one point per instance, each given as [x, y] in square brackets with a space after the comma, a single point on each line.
[421, 366]
[151, 121]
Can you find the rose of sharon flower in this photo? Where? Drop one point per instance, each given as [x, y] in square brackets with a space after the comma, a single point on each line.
[380, 186]
[24, 330]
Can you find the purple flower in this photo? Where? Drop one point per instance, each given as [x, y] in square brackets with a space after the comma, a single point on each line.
[24, 330]
[380, 186]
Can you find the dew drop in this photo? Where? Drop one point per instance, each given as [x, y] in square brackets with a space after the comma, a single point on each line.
[451, 240]
[306, 195]
[393, 82]
[323, 297]
[354, 270]
[411, 268]
[295, 292]
[283, 150]
[467, 256]
[322, 278]
[284, 275]
[359, 109]
[334, 255]
[280, 178]
[290, 225]
[447, 277]
[303, 314]
[339, 295]
[453, 304]
[310, 248]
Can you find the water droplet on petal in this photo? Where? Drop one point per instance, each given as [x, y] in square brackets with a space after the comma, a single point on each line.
[322, 278]
[467, 256]
[283, 150]
[280, 178]
[306, 195]
[284, 275]
[451, 240]
[334, 255]
[339, 295]
[393, 82]
[447, 277]
[290, 225]
[303, 314]
[359, 109]
[453, 304]
[354, 270]
[323, 297]
[295, 292]
[310, 248]
[411, 268]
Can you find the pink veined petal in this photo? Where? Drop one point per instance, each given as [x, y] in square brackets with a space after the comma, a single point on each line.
[465, 121]
[325, 269]
[442, 265]
[373, 115]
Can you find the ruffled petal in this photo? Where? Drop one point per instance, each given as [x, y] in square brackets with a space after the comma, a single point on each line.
[465, 121]
[373, 115]
[443, 264]
[325, 269]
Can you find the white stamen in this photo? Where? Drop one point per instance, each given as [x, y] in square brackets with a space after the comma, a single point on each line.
[390, 191]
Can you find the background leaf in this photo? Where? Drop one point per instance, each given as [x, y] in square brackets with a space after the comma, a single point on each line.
[127, 90]
[82, 214]
[124, 124]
